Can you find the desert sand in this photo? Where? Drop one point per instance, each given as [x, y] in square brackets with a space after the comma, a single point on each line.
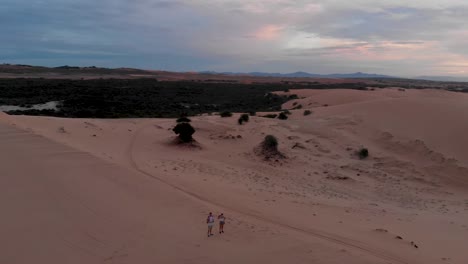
[117, 191]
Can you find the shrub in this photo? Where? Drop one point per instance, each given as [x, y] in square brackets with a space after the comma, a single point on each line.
[282, 116]
[183, 120]
[297, 107]
[184, 131]
[252, 113]
[269, 149]
[270, 142]
[270, 116]
[245, 117]
[287, 112]
[363, 153]
[240, 120]
[226, 114]
[307, 112]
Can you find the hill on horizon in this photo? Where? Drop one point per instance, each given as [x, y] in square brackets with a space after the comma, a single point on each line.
[301, 74]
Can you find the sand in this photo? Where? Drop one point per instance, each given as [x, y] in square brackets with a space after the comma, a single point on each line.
[116, 191]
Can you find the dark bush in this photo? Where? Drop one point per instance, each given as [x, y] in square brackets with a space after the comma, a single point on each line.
[270, 142]
[240, 121]
[226, 114]
[245, 117]
[270, 116]
[282, 116]
[184, 131]
[287, 112]
[297, 107]
[307, 112]
[363, 153]
[183, 120]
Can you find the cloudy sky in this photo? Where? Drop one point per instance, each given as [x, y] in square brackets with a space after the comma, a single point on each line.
[396, 37]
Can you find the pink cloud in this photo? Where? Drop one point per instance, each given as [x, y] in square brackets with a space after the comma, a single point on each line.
[268, 32]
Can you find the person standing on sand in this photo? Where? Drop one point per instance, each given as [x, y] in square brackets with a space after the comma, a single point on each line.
[222, 221]
[210, 221]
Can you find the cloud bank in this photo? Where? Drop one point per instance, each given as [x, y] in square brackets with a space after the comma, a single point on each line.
[417, 37]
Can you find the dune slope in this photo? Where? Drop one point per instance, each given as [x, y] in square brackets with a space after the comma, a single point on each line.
[322, 201]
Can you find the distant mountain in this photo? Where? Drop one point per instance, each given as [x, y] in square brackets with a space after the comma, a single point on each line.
[301, 74]
[442, 78]
[359, 75]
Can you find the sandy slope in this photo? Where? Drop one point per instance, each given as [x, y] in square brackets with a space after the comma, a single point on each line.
[296, 210]
[60, 205]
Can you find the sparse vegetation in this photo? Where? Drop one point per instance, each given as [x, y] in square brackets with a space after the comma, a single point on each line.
[245, 117]
[283, 116]
[184, 131]
[269, 148]
[252, 113]
[270, 116]
[287, 112]
[307, 112]
[363, 153]
[270, 142]
[297, 107]
[225, 114]
[240, 121]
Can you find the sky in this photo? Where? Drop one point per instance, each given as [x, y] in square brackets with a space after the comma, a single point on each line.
[394, 37]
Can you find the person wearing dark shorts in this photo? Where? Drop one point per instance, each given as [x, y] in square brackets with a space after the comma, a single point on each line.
[222, 221]
[210, 220]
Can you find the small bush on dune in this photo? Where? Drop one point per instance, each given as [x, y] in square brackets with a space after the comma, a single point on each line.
[184, 131]
[240, 121]
[245, 117]
[269, 148]
[307, 112]
[297, 107]
[270, 116]
[287, 112]
[270, 142]
[183, 120]
[226, 114]
[282, 116]
[363, 153]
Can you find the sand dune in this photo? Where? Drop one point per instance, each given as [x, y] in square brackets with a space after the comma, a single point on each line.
[115, 191]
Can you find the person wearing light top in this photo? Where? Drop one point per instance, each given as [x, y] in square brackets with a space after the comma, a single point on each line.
[222, 221]
[210, 221]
